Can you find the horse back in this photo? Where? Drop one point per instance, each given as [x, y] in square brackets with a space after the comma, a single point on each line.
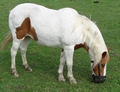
[47, 26]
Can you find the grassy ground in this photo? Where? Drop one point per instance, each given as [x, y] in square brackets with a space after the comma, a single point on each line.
[44, 60]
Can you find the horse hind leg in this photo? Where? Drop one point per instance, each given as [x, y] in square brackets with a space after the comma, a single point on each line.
[23, 49]
[61, 66]
[14, 48]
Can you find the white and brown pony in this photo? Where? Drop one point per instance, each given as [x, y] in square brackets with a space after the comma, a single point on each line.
[63, 28]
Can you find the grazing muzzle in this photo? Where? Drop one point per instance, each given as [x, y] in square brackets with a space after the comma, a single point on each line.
[98, 79]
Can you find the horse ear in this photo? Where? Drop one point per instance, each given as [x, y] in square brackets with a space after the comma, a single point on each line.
[108, 49]
[104, 54]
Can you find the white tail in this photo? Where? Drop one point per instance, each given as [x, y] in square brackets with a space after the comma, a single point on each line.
[7, 40]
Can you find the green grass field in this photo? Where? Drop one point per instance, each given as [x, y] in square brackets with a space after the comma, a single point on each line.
[45, 61]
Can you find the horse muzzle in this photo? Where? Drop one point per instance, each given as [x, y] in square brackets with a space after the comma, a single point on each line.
[98, 79]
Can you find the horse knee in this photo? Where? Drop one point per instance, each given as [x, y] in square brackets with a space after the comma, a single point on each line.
[23, 51]
[69, 64]
[13, 52]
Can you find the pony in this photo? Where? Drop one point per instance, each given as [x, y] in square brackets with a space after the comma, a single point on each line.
[64, 28]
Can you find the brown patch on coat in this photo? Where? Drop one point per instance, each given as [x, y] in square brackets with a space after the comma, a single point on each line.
[82, 46]
[26, 29]
[77, 46]
[104, 60]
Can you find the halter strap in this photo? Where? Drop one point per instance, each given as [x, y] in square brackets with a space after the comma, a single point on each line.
[99, 69]
[92, 61]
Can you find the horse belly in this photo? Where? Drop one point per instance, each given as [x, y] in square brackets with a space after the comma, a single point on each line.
[48, 38]
[49, 44]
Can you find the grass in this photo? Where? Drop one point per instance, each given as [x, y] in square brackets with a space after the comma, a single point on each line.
[45, 61]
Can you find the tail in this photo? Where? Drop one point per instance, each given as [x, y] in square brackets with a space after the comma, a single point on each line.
[6, 41]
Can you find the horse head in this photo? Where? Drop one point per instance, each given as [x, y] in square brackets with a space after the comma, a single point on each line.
[99, 71]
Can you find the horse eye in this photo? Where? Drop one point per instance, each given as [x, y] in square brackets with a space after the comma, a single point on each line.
[102, 65]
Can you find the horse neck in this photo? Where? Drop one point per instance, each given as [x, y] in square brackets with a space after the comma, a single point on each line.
[95, 42]
[92, 38]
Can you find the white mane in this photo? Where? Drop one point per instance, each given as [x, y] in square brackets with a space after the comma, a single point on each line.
[92, 37]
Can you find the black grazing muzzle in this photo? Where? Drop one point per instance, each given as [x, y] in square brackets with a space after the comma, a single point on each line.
[99, 78]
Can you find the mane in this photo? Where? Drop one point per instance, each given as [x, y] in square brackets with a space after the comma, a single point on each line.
[92, 37]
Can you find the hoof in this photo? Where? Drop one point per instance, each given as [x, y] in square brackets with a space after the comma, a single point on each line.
[14, 73]
[28, 69]
[72, 80]
[61, 78]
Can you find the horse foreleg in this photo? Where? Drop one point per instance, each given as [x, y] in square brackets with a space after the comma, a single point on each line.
[23, 48]
[69, 60]
[61, 66]
[14, 49]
